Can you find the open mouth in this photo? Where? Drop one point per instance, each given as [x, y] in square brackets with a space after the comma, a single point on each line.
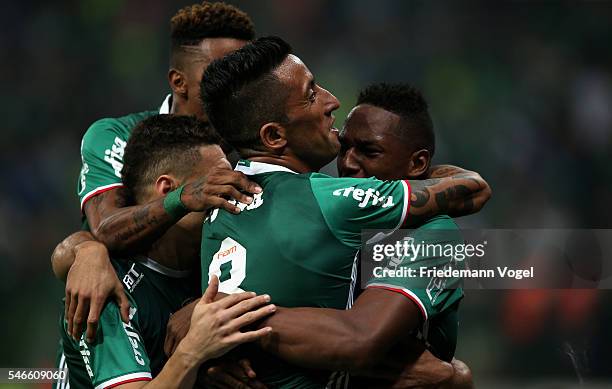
[332, 128]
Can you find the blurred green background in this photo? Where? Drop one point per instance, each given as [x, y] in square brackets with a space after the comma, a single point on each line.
[519, 91]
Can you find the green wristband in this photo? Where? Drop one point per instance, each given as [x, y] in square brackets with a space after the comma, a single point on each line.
[173, 204]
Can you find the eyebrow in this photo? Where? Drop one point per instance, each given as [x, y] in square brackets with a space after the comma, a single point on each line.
[366, 143]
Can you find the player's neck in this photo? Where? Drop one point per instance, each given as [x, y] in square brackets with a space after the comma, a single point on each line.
[180, 106]
[176, 249]
[287, 161]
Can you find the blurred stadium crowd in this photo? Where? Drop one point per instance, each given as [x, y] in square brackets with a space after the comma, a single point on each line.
[520, 92]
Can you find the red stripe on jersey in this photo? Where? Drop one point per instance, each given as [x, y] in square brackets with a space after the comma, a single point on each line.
[408, 206]
[97, 192]
[128, 381]
[403, 293]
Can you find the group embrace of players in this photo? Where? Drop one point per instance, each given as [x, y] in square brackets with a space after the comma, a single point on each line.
[273, 244]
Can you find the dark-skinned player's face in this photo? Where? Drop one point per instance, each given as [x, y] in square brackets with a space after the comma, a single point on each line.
[311, 134]
[370, 146]
[207, 51]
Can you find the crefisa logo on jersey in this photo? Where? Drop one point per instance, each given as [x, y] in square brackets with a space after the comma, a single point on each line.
[364, 197]
[114, 155]
[134, 341]
[86, 354]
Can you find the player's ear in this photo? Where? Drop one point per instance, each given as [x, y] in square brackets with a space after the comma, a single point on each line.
[273, 136]
[419, 163]
[164, 184]
[178, 82]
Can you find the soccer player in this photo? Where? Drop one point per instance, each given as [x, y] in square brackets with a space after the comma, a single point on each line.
[200, 33]
[162, 153]
[299, 237]
[389, 135]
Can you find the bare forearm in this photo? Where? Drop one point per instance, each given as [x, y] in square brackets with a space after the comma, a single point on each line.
[353, 340]
[64, 253]
[133, 228]
[442, 171]
[460, 193]
[408, 365]
[179, 372]
[329, 339]
[314, 338]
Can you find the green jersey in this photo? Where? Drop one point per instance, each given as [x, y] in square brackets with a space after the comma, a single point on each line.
[437, 298]
[298, 242]
[102, 150]
[121, 352]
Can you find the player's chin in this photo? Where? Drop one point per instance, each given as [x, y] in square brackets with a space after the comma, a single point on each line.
[328, 153]
[334, 141]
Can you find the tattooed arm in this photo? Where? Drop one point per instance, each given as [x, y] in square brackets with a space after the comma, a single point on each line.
[125, 229]
[91, 278]
[450, 190]
[133, 228]
[442, 171]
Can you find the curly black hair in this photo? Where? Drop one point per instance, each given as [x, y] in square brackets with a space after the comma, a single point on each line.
[241, 94]
[407, 102]
[210, 20]
[162, 144]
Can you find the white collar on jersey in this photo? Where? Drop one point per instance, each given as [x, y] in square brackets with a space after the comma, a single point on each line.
[251, 168]
[159, 268]
[165, 107]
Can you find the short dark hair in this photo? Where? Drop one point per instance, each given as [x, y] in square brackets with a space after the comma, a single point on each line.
[240, 93]
[162, 144]
[407, 102]
[193, 23]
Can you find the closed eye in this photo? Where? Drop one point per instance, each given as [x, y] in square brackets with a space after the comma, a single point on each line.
[371, 153]
[313, 89]
[313, 96]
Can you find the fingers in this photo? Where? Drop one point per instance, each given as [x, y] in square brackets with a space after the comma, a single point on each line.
[243, 307]
[211, 290]
[237, 179]
[215, 190]
[228, 191]
[79, 317]
[123, 303]
[257, 384]
[244, 337]
[223, 378]
[219, 196]
[220, 202]
[245, 364]
[251, 317]
[234, 299]
[67, 304]
[92, 319]
[70, 313]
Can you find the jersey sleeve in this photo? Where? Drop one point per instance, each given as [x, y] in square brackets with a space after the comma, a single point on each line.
[102, 151]
[350, 205]
[432, 294]
[118, 355]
